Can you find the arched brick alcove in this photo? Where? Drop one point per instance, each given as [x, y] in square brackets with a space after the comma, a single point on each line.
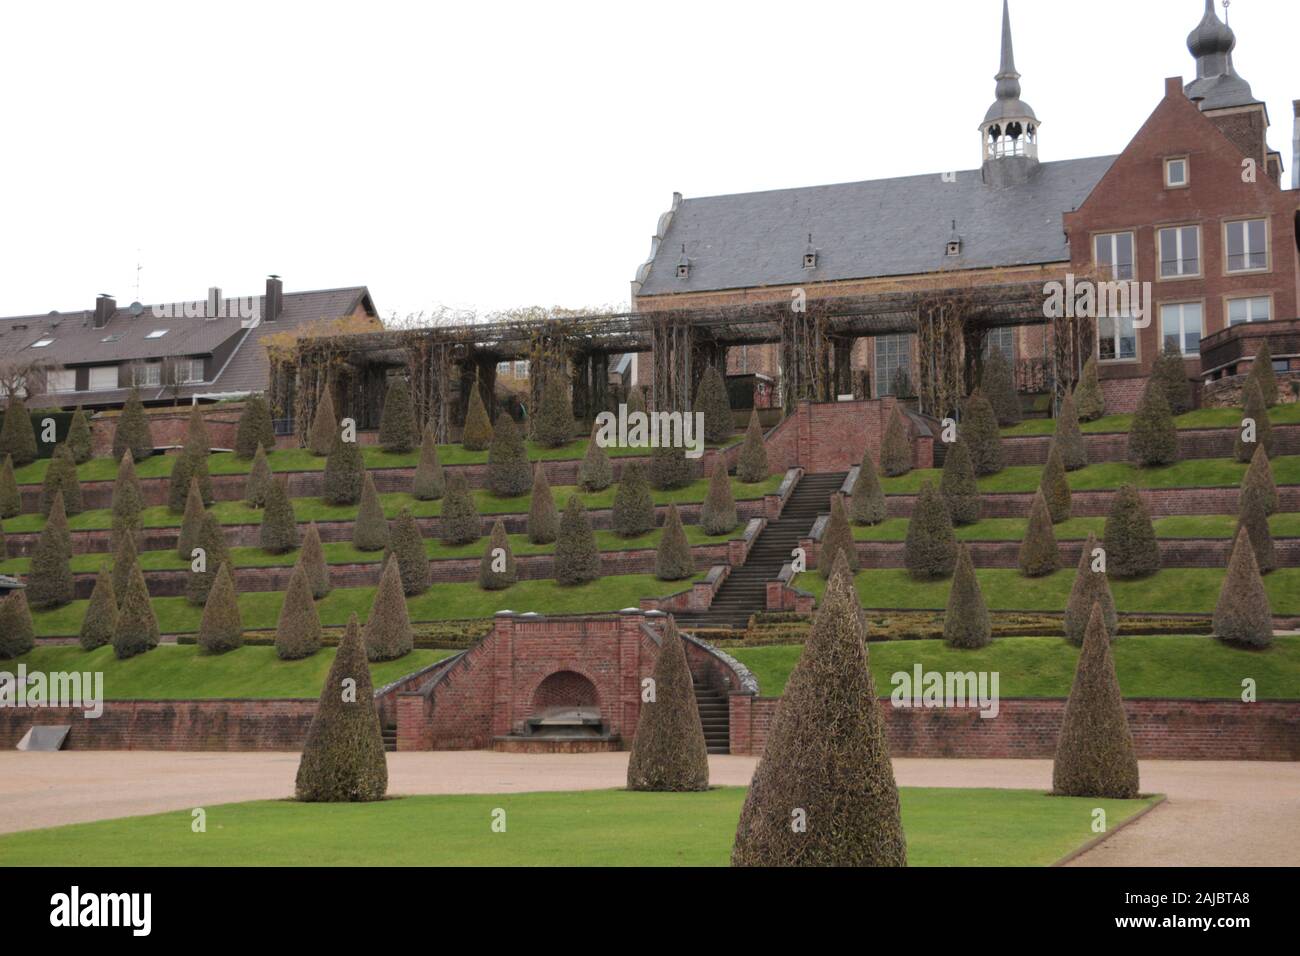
[565, 688]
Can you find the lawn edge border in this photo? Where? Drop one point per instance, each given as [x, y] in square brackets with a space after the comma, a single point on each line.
[1097, 841]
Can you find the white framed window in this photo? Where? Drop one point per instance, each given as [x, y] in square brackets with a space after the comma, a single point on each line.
[521, 367]
[156, 334]
[1113, 254]
[147, 375]
[1176, 175]
[1004, 340]
[1247, 245]
[189, 371]
[61, 380]
[1180, 251]
[892, 353]
[102, 378]
[1180, 326]
[1255, 308]
[503, 368]
[1116, 339]
[42, 343]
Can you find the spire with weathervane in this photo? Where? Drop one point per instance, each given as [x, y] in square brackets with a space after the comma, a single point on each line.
[1009, 133]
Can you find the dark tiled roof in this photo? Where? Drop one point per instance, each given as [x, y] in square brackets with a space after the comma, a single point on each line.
[882, 227]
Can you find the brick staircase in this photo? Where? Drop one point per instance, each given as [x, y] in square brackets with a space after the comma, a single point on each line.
[715, 716]
[745, 590]
[390, 737]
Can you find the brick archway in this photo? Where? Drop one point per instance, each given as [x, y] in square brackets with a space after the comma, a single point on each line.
[568, 687]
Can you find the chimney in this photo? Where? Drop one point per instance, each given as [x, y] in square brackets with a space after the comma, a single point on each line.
[105, 306]
[274, 298]
[213, 310]
[1295, 147]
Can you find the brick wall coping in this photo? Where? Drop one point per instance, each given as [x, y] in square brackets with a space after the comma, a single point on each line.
[748, 683]
[1191, 432]
[786, 488]
[1276, 701]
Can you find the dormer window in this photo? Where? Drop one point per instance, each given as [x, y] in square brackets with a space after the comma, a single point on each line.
[1176, 172]
[683, 265]
[809, 254]
[954, 242]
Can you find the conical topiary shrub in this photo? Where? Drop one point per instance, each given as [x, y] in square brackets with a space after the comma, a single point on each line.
[668, 751]
[1252, 515]
[497, 570]
[222, 628]
[931, 548]
[258, 481]
[212, 540]
[718, 513]
[345, 472]
[398, 429]
[100, 622]
[1055, 486]
[1170, 370]
[256, 430]
[868, 505]
[824, 793]
[633, 512]
[137, 626]
[17, 435]
[577, 559]
[298, 631]
[896, 446]
[192, 462]
[1259, 480]
[1131, 547]
[1069, 437]
[312, 558]
[476, 434]
[595, 473]
[370, 530]
[1243, 615]
[11, 500]
[1039, 554]
[17, 635]
[1261, 370]
[429, 483]
[543, 518]
[124, 561]
[998, 383]
[960, 492]
[279, 531]
[712, 400]
[388, 629]
[1095, 756]
[979, 429]
[673, 560]
[50, 582]
[966, 623]
[79, 440]
[324, 426]
[190, 523]
[1091, 588]
[408, 551]
[1088, 397]
[752, 465]
[133, 432]
[61, 478]
[553, 423]
[343, 757]
[1153, 436]
[670, 468]
[460, 522]
[1255, 424]
[508, 472]
[837, 539]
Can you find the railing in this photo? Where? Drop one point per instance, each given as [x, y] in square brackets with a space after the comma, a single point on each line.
[1228, 346]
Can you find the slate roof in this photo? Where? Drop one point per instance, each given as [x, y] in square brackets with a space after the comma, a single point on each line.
[78, 342]
[877, 228]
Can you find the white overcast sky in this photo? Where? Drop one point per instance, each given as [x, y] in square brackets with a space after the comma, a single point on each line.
[490, 155]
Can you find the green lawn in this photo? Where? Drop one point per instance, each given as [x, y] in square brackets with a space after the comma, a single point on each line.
[315, 509]
[1013, 529]
[945, 827]
[1193, 473]
[1174, 590]
[1174, 666]
[180, 672]
[344, 552]
[1199, 418]
[442, 602]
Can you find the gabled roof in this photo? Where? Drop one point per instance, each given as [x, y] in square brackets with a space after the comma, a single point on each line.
[877, 228]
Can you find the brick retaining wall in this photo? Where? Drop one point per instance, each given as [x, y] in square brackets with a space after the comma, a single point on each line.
[1113, 446]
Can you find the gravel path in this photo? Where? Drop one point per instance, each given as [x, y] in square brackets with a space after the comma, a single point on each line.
[1217, 814]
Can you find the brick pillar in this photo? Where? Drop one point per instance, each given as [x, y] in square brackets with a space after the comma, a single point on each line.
[624, 716]
[503, 685]
[740, 707]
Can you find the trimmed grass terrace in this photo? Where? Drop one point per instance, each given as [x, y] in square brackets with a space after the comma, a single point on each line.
[944, 827]
[443, 602]
[1197, 418]
[315, 509]
[181, 672]
[1156, 666]
[1013, 529]
[1171, 591]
